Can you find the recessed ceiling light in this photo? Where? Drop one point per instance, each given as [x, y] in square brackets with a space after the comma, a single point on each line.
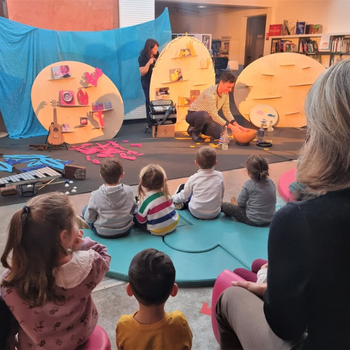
[202, 6]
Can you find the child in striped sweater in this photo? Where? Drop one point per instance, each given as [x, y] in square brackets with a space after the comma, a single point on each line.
[156, 211]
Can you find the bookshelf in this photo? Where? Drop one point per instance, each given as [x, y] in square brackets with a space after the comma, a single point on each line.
[308, 44]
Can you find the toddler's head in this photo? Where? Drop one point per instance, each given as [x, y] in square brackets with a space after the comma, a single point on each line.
[153, 178]
[35, 246]
[111, 171]
[206, 157]
[151, 277]
[257, 167]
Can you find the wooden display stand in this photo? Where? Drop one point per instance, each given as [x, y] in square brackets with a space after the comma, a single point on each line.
[163, 130]
[76, 98]
[280, 80]
[189, 57]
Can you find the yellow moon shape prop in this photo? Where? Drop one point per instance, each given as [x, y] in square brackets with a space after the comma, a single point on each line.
[189, 56]
[46, 89]
[281, 80]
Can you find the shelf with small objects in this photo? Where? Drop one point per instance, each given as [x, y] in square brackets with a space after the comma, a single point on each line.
[328, 49]
[76, 93]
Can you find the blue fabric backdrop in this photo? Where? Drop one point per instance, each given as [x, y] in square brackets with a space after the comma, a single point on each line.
[26, 50]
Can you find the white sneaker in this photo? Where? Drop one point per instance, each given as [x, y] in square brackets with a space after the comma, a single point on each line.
[179, 206]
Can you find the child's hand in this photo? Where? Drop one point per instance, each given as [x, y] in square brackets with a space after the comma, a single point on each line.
[264, 266]
[78, 240]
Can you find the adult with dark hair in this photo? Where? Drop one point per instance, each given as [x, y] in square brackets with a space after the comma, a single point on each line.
[203, 116]
[306, 302]
[147, 60]
[152, 281]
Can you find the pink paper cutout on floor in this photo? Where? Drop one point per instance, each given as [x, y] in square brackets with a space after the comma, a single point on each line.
[125, 141]
[136, 145]
[105, 150]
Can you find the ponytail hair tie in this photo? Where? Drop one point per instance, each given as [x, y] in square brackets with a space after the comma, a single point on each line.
[26, 209]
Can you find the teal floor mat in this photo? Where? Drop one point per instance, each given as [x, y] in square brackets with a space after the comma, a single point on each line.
[199, 249]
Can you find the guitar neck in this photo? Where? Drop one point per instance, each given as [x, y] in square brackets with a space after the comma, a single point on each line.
[54, 117]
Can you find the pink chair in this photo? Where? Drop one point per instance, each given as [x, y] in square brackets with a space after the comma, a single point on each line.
[283, 185]
[98, 340]
[222, 282]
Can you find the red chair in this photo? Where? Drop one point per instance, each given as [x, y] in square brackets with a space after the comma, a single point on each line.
[98, 340]
[222, 282]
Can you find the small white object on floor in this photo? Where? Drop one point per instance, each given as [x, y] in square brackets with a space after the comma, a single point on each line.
[75, 187]
[73, 190]
[71, 181]
[67, 192]
[66, 185]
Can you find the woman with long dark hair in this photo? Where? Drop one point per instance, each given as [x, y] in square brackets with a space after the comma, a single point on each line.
[147, 60]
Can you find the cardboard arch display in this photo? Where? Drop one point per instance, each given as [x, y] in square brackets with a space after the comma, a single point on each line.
[89, 106]
[280, 80]
[183, 70]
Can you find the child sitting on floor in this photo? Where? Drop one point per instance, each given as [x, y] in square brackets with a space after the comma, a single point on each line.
[156, 212]
[111, 207]
[203, 192]
[152, 281]
[256, 203]
[50, 273]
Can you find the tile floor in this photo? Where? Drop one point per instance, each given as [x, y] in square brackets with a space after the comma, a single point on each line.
[110, 296]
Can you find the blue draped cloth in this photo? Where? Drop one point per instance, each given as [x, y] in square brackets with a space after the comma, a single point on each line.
[26, 50]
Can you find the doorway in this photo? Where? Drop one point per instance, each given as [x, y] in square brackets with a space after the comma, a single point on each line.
[254, 43]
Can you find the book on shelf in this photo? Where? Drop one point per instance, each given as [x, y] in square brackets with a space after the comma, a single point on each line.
[300, 28]
[97, 106]
[108, 105]
[275, 30]
[194, 94]
[184, 101]
[340, 45]
[308, 28]
[60, 72]
[283, 46]
[162, 93]
[175, 74]
[317, 28]
[325, 42]
[307, 46]
[290, 25]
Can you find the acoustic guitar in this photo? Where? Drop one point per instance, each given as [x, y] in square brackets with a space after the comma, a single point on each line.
[55, 131]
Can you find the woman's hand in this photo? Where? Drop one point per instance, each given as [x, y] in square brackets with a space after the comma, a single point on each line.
[152, 60]
[256, 288]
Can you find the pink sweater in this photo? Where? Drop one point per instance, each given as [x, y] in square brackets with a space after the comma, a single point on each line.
[66, 326]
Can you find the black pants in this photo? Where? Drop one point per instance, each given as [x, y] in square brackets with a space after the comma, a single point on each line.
[145, 87]
[203, 124]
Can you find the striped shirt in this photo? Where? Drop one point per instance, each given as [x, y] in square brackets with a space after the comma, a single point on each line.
[159, 213]
[211, 102]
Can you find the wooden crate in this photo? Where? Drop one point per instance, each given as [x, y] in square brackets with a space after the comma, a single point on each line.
[163, 130]
[74, 172]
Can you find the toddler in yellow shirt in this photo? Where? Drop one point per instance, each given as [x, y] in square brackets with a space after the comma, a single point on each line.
[152, 281]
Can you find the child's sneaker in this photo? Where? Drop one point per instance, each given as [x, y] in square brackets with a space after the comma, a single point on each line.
[179, 188]
[179, 206]
[81, 222]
